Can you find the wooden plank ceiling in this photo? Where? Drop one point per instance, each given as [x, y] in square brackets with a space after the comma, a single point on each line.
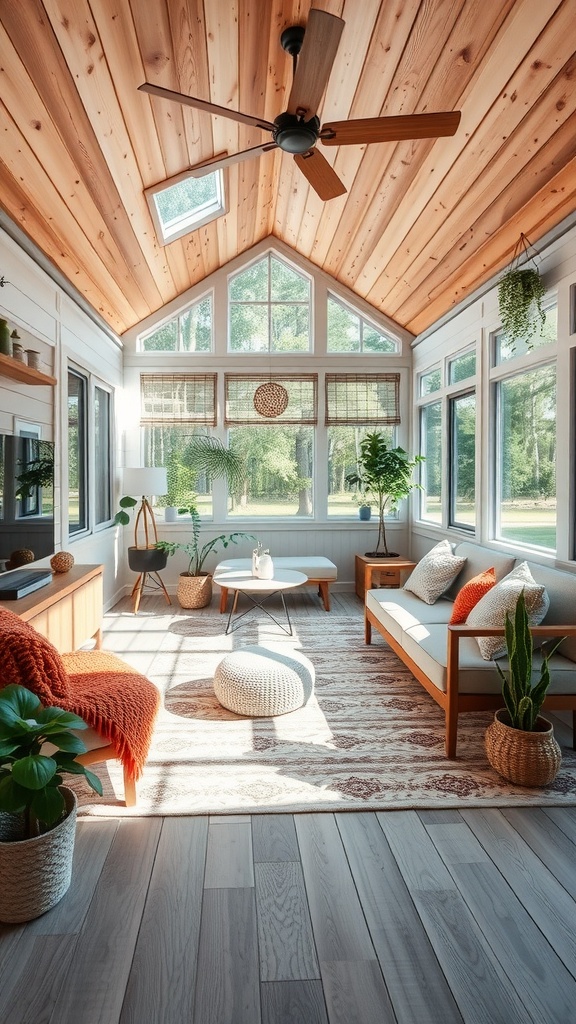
[422, 223]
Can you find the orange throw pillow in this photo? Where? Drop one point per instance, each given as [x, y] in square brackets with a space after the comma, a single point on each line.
[470, 595]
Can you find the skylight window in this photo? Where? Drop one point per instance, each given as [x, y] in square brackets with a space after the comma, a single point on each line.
[185, 203]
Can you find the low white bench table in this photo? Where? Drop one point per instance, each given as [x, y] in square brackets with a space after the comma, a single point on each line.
[320, 572]
[258, 591]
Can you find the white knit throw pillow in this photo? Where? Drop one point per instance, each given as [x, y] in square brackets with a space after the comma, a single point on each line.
[434, 573]
[491, 609]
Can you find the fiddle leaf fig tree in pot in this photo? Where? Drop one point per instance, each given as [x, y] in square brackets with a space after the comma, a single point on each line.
[37, 813]
[520, 744]
[386, 474]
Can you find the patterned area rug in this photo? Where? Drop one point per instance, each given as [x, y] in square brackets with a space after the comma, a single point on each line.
[370, 738]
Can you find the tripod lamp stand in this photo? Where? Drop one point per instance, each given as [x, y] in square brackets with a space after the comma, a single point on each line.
[144, 557]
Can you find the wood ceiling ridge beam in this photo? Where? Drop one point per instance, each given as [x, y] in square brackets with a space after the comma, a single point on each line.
[517, 194]
[461, 177]
[481, 97]
[544, 211]
[555, 106]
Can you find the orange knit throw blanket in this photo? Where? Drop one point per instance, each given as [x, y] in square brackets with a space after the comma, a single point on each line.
[112, 698]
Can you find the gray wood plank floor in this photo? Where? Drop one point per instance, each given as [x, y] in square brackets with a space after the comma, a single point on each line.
[352, 918]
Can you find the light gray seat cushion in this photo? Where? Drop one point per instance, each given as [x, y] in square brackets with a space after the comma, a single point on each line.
[400, 609]
[427, 645]
[316, 567]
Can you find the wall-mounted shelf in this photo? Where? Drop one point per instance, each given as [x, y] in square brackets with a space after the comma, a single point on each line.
[23, 373]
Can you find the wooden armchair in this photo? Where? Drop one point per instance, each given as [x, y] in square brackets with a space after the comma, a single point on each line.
[118, 704]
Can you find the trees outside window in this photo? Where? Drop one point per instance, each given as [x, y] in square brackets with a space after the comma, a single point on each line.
[526, 458]
[269, 308]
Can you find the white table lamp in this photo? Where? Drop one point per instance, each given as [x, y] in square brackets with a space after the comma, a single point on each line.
[145, 481]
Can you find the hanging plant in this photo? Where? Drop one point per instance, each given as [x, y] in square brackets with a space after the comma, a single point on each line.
[520, 295]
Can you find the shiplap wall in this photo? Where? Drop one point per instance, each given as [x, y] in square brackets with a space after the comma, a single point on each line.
[49, 321]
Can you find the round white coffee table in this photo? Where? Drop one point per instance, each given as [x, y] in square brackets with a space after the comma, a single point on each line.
[258, 591]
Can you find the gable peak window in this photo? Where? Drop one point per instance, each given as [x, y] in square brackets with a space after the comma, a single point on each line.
[269, 308]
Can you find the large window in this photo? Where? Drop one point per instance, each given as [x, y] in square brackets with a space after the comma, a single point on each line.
[77, 452]
[102, 455]
[355, 405]
[431, 449]
[269, 308]
[350, 332]
[89, 411]
[278, 452]
[189, 331]
[173, 409]
[526, 458]
[463, 461]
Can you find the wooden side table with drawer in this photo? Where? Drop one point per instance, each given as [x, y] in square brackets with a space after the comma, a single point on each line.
[390, 570]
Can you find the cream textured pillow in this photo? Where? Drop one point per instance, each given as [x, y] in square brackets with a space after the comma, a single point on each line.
[491, 609]
[434, 573]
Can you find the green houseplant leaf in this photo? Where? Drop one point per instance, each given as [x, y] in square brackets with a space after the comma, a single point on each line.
[523, 700]
[30, 780]
[386, 474]
[520, 295]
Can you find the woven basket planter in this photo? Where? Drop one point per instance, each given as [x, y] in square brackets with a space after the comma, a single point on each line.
[525, 758]
[36, 872]
[194, 591]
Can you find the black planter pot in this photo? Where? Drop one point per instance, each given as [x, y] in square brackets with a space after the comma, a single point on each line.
[146, 559]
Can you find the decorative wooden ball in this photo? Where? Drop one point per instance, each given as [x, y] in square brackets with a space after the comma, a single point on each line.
[62, 561]
[20, 557]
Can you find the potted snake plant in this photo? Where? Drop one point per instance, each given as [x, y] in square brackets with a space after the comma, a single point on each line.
[37, 813]
[520, 743]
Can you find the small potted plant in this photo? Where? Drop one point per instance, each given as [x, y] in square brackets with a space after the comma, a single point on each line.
[385, 473]
[37, 813]
[195, 585]
[520, 294]
[520, 744]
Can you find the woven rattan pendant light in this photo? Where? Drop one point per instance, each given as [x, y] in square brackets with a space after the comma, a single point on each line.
[270, 399]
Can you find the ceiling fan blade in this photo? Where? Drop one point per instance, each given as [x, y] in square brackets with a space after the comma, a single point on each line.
[315, 62]
[390, 129]
[199, 170]
[320, 174]
[210, 108]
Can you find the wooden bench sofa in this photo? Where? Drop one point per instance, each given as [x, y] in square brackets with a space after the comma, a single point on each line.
[446, 659]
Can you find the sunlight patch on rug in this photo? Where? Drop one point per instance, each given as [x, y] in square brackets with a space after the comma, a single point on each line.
[369, 739]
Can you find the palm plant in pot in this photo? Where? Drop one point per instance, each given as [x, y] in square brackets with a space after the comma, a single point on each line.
[204, 455]
[520, 744]
[385, 473]
[37, 813]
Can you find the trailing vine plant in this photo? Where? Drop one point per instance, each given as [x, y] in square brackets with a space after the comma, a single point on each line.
[520, 295]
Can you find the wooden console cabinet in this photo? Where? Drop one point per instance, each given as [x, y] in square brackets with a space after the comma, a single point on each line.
[68, 611]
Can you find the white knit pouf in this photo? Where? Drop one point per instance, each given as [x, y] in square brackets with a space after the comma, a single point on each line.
[263, 680]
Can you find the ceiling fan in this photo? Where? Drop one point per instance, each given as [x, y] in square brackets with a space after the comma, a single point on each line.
[298, 129]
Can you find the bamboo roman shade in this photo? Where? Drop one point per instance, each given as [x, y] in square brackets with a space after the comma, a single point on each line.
[178, 398]
[368, 399]
[302, 405]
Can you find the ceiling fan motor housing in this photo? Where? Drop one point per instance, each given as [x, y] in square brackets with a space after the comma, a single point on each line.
[294, 135]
